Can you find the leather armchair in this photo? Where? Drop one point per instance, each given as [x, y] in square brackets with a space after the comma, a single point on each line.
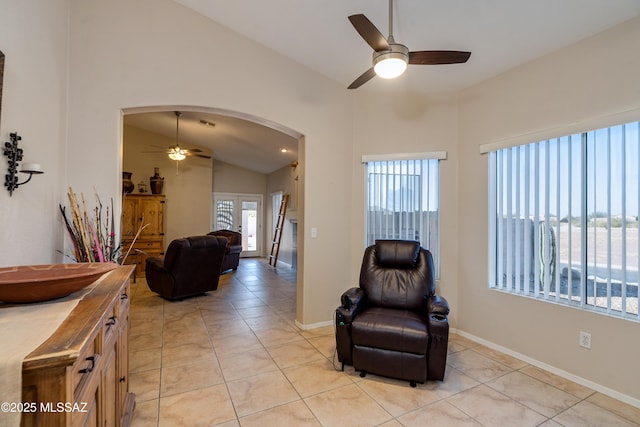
[190, 267]
[234, 247]
[394, 325]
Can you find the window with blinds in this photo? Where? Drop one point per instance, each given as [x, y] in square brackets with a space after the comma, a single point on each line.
[402, 202]
[563, 220]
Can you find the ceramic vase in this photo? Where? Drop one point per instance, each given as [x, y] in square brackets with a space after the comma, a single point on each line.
[156, 182]
[127, 184]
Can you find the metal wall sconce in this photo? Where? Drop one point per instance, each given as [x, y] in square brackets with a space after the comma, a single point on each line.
[14, 155]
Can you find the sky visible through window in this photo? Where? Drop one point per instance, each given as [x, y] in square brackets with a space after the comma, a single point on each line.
[403, 185]
[613, 159]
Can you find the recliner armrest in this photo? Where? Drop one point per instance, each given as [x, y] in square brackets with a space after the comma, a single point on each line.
[437, 305]
[155, 263]
[352, 298]
[352, 301]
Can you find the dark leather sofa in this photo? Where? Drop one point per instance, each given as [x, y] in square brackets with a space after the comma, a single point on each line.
[394, 325]
[191, 266]
[234, 247]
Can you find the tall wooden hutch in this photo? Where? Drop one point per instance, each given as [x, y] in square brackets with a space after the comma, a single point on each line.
[138, 210]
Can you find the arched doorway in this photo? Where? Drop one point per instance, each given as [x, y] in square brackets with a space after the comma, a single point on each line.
[236, 140]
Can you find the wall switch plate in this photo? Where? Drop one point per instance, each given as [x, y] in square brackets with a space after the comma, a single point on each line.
[314, 232]
[585, 339]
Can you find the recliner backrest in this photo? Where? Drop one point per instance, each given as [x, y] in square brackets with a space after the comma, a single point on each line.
[397, 274]
[185, 256]
[234, 237]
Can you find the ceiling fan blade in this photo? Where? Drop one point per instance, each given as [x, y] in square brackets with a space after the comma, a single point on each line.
[193, 150]
[204, 156]
[364, 77]
[438, 57]
[369, 32]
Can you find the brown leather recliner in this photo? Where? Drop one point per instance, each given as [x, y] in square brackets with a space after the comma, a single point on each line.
[234, 247]
[394, 325]
[190, 267]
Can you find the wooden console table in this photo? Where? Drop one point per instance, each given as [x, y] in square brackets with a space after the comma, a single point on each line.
[80, 375]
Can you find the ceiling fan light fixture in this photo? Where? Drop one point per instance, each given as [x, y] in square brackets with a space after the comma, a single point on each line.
[177, 156]
[392, 63]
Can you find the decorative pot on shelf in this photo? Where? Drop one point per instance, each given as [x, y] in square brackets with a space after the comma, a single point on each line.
[156, 182]
[127, 184]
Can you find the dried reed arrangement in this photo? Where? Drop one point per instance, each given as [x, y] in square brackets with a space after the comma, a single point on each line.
[92, 234]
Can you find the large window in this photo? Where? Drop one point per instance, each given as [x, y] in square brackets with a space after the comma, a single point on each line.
[402, 201]
[563, 220]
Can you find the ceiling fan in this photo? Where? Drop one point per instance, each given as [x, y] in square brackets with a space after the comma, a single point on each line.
[177, 152]
[390, 59]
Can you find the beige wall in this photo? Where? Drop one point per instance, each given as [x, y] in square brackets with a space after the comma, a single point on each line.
[187, 189]
[587, 81]
[409, 124]
[33, 37]
[228, 178]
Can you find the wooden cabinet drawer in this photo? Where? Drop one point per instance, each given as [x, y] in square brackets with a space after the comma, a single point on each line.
[84, 367]
[148, 246]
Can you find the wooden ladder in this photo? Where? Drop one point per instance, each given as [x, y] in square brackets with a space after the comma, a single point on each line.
[277, 233]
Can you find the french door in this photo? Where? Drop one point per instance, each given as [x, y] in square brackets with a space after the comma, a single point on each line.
[242, 213]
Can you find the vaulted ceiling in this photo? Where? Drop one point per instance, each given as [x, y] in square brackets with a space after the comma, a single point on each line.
[501, 34]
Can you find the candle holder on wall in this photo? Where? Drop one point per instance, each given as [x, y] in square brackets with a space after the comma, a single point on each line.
[14, 156]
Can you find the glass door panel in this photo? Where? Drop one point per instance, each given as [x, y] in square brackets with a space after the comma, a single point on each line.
[250, 225]
[224, 215]
[242, 213]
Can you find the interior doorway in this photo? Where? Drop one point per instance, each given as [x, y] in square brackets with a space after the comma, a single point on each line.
[242, 213]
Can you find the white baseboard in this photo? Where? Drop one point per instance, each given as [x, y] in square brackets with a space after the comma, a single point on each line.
[313, 325]
[564, 374]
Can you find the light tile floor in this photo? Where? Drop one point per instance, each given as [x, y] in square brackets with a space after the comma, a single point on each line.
[234, 357]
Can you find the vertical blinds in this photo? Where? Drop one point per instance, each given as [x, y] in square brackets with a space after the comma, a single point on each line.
[402, 202]
[564, 219]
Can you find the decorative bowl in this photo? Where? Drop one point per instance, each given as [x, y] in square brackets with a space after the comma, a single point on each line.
[37, 283]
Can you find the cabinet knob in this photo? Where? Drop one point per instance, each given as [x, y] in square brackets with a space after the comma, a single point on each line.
[124, 296]
[111, 321]
[123, 379]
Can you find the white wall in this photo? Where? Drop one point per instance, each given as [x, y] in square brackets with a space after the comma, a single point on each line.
[187, 189]
[128, 53]
[33, 37]
[592, 79]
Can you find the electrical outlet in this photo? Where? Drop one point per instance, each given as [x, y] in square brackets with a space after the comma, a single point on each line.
[585, 339]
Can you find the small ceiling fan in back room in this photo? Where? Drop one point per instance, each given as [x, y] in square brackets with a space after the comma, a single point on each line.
[177, 152]
[390, 59]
